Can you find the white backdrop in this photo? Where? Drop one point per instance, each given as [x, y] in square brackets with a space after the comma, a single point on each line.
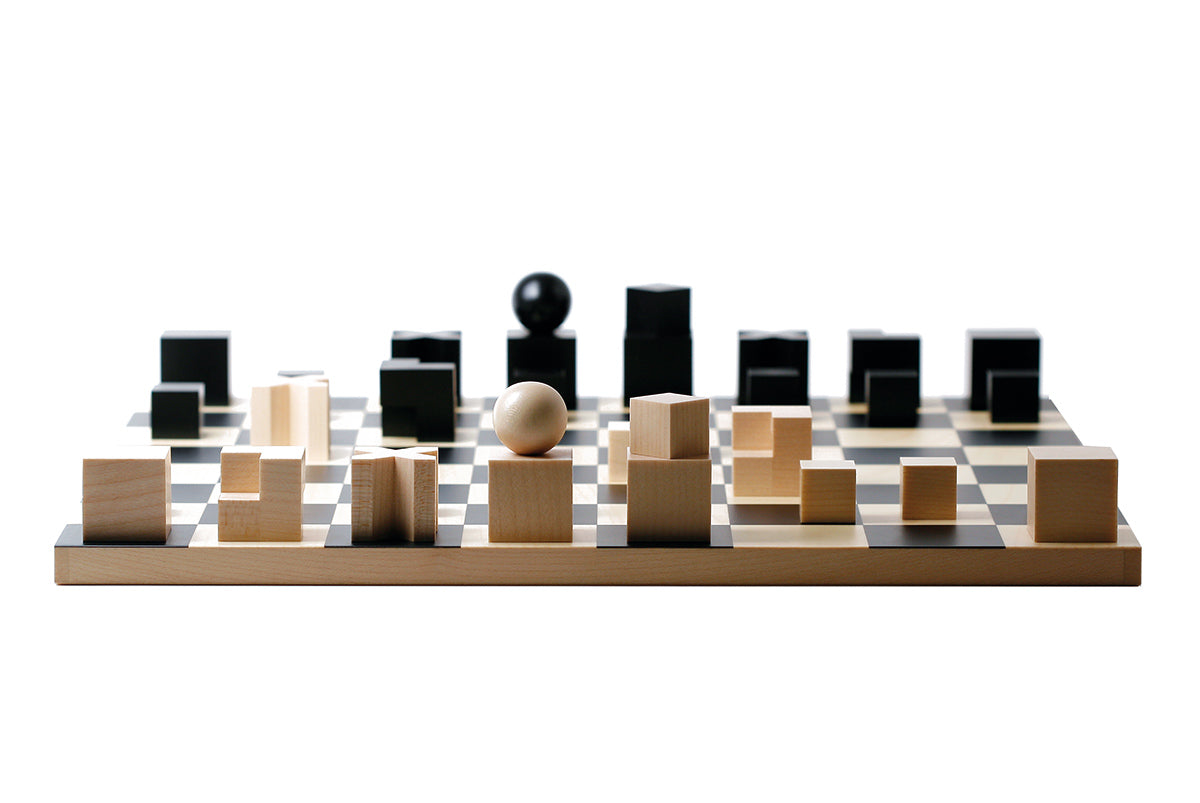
[313, 176]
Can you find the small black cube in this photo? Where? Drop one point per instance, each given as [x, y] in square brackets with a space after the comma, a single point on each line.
[893, 398]
[198, 356]
[658, 309]
[418, 399]
[998, 350]
[175, 410]
[431, 347]
[873, 350]
[1014, 397]
[772, 350]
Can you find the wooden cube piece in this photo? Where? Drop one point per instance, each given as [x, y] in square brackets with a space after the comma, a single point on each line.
[791, 442]
[127, 496]
[928, 488]
[239, 469]
[372, 495]
[828, 492]
[530, 497]
[417, 494]
[618, 452]
[752, 429]
[275, 510]
[669, 501]
[1072, 494]
[753, 474]
[669, 426]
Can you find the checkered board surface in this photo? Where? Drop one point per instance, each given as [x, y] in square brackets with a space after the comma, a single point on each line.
[991, 479]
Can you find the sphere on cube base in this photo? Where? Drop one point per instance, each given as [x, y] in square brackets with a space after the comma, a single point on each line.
[530, 418]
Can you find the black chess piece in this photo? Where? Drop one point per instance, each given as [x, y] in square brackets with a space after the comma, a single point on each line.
[543, 352]
[541, 301]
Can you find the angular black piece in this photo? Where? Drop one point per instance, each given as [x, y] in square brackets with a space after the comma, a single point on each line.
[774, 386]
[872, 350]
[198, 356]
[893, 398]
[175, 410]
[1013, 397]
[431, 347]
[999, 350]
[658, 309]
[417, 399]
[548, 358]
[657, 365]
[773, 350]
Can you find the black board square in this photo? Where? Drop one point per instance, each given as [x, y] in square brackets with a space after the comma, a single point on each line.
[348, 403]
[189, 494]
[927, 536]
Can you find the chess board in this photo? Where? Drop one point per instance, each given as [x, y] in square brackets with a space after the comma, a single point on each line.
[754, 541]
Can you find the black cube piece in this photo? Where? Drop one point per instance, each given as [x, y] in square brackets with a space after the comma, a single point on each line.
[199, 356]
[774, 386]
[658, 309]
[1014, 397]
[893, 398]
[999, 350]
[431, 347]
[872, 350]
[546, 358]
[773, 350]
[657, 365]
[175, 410]
[417, 399]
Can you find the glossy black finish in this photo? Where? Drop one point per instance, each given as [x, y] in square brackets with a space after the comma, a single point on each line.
[541, 301]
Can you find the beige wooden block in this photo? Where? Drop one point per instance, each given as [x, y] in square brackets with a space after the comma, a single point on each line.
[791, 442]
[1072, 494]
[239, 469]
[417, 494]
[372, 494]
[828, 492]
[276, 511]
[281, 493]
[127, 496]
[752, 428]
[270, 420]
[753, 474]
[308, 416]
[529, 497]
[618, 452]
[928, 488]
[669, 501]
[669, 425]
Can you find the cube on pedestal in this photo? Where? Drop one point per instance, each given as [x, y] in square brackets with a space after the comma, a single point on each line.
[530, 497]
[1014, 397]
[1072, 494]
[928, 488]
[669, 425]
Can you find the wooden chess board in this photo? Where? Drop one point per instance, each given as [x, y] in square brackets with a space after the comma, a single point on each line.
[754, 541]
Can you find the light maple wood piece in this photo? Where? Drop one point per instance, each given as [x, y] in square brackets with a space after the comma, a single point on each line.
[276, 511]
[618, 452]
[768, 444]
[394, 494]
[530, 497]
[239, 469]
[417, 493]
[292, 412]
[127, 496]
[669, 426]
[1072, 494]
[928, 488]
[530, 418]
[669, 501]
[828, 492]
[753, 473]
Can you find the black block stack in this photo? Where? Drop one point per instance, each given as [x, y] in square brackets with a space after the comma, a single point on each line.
[772, 367]
[542, 352]
[885, 372]
[1004, 373]
[658, 340]
[418, 399]
[443, 347]
[198, 356]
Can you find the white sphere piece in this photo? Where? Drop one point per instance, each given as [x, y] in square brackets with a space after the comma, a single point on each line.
[530, 418]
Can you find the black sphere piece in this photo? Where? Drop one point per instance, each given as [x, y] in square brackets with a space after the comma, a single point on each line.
[541, 301]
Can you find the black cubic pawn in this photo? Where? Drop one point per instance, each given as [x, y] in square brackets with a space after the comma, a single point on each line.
[999, 350]
[872, 350]
[431, 347]
[198, 356]
[546, 358]
[772, 367]
[542, 352]
[175, 410]
[1014, 397]
[658, 340]
[417, 399]
[893, 398]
